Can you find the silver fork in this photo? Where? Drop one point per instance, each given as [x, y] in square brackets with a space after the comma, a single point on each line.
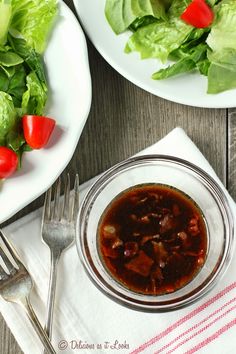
[15, 286]
[58, 232]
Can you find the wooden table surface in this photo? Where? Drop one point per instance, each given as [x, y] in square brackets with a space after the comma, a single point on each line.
[125, 119]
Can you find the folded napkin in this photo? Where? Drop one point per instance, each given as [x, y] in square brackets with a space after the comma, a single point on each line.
[86, 321]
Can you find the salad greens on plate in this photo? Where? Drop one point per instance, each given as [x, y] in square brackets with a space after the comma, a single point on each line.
[185, 35]
[24, 29]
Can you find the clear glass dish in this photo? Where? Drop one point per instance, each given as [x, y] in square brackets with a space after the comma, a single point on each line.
[174, 172]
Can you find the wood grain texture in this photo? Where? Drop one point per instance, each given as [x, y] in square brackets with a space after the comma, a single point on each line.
[125, 119]
[232, 153]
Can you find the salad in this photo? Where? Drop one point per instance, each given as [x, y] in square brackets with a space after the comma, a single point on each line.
[185, 35]
[24, 29]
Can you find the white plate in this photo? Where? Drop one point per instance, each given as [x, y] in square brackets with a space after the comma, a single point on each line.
[189, 89]
[69, 103]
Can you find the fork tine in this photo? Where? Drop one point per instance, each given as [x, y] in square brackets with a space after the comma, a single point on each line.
[66, 201]
[56, 206]
[47, 205]
[3, 274]
[12, 252]
[75, 205]
[5, 259]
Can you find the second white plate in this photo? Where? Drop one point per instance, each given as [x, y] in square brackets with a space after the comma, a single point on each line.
[189, 89]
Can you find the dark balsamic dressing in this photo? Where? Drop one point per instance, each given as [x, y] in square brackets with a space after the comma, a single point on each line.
[153, 239]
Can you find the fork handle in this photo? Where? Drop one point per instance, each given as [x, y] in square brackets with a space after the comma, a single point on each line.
[37, 326]
[55, 255]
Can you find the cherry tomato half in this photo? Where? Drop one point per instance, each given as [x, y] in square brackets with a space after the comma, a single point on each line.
[198, 14]
[37, 130]
[8, 162]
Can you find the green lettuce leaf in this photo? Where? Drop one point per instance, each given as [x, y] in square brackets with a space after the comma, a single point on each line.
[196, 37]
[188, 62]
[212, 2]
[141, 22]
[203, 66]
[15, 139]
[17, 85]
[159, 39]
[5, 19]
[122, 13]
[34, 99]
[13, 82]
[222, 70]
[4, 81]
[8, 116]
[9, 71]
[223, 34]
[30, 56]
[222, 41]
[10, 59]
[33, 19]
[182, 66]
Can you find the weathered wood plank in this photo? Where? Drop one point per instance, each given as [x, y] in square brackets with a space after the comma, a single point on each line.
[232, 153]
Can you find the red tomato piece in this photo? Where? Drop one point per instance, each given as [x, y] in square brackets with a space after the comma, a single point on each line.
[198, 14]
[8, 162]
[37, 130]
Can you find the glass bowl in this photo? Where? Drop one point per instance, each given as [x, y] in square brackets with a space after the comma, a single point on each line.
[180, 174]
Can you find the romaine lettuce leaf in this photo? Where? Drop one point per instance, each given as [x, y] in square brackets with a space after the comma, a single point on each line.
[34, 99]
[212, 2]
[4, 81]
[142, 21]
[222, 70]
[5, 19]
[191, 60]
[10, 58]
[223, 34]
[13, 83]
[15, 140]
[33, 19]
[121, 13]
[17, 85]
[7, 116]
[31, 57]
[222, 41]
[196, 37]
[159, 39]
[181, 66]
[203, 66]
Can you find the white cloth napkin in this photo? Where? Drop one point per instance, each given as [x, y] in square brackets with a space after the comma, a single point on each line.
[86, 321]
